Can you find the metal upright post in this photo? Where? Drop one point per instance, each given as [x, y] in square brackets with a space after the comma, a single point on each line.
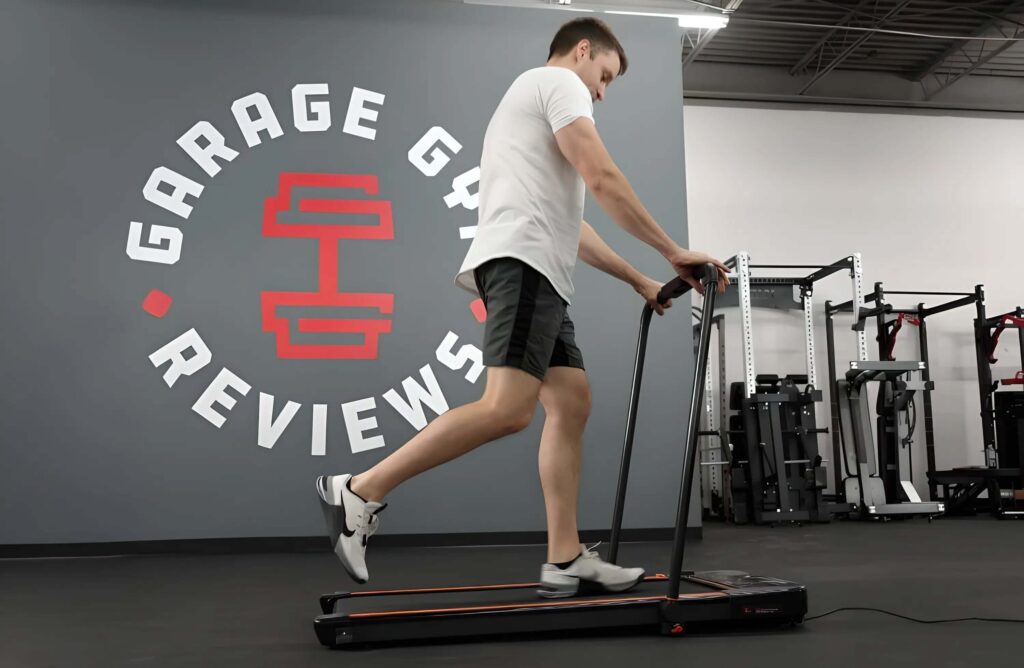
[838, 462]
[723, 423]
[627, 446]
[929, 430]
[690, 449]
[982, 340]
[858, 297]
[1020, 336]
[883, 332]
[807, 294]
[749, 378]
[746, 322]
[887, 442]
[712, 452]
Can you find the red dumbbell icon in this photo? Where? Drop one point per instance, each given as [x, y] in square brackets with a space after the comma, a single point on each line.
[328, 296]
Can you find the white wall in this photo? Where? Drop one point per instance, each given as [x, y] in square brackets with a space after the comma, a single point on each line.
[931, 203]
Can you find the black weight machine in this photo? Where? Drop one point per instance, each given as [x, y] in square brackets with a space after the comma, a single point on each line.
[676, 603]
[775, 471]
[877, 480]
[1001, 479]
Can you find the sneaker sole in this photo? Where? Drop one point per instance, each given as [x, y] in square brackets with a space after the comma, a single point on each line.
[331, 514]
[586, 588]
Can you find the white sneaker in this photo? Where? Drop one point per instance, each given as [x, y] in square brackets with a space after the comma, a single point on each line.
[587, 574]
[350, 522]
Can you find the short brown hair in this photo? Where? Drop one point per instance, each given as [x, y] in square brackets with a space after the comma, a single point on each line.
[597, 31]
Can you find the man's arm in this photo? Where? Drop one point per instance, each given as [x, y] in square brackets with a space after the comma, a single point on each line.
[583, 148]
[598, 254]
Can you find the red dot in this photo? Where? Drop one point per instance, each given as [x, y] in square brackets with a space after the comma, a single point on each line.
[478, 309]
[157, 303]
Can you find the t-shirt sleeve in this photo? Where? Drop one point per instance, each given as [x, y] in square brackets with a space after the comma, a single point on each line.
[564, 99]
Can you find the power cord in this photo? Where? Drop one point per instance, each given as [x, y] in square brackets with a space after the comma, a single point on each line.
[919, 621]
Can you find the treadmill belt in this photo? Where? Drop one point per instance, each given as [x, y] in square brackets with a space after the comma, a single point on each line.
[524, 595]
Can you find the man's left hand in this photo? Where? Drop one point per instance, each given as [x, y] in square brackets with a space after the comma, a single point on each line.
[648, 288]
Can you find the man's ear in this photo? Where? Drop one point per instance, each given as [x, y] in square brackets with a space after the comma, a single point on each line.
[582, 48]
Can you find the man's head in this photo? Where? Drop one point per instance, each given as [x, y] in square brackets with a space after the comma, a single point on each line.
[588, 47]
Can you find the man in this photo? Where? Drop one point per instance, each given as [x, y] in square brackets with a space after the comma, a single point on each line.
[540, 151]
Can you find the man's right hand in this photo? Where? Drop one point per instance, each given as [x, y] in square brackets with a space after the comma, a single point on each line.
[685, 261]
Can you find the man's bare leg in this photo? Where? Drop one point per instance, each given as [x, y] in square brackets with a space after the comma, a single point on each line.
[565, 395]
[506, 407]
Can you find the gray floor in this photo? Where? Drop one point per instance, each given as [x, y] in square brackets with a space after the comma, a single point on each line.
[256, 610]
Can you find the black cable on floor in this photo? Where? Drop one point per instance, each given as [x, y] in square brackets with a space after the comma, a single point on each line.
[919, 621]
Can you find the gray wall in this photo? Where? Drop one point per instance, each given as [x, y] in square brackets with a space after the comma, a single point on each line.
[95, 445]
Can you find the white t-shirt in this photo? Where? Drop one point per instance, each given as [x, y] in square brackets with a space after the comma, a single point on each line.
[531, 197]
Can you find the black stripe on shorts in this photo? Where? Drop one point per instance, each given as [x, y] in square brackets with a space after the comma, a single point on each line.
[525, 309]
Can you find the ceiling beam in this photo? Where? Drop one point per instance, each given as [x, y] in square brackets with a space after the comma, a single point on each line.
[933, 65]
[848, 51]
[950, 77]
[691, 95]
[704, 37]
[805, 60]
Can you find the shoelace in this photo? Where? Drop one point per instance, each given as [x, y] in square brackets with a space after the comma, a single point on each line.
[368, 523]
[591, 552]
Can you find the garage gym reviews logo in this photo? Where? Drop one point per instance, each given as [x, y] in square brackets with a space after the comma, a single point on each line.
[357, 197]
[328, 236]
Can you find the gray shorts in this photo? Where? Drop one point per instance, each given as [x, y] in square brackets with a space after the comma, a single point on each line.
[528, 325]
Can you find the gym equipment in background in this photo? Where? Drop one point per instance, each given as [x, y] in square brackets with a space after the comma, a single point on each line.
[876, 479]
[1001, 480]
[774, 468]
[714, 453]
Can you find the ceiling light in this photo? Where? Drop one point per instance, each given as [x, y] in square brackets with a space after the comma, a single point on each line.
[702, 20]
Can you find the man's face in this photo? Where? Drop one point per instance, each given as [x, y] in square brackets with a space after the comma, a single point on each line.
[597, 69]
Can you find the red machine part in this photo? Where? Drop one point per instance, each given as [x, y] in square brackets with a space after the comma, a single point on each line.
[897, 326]
[1007, 320]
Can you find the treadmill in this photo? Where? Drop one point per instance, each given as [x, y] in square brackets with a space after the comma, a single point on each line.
[673, 603]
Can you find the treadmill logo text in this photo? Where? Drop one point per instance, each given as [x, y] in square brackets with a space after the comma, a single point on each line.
[300, 325]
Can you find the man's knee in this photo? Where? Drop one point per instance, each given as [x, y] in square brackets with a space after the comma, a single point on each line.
[572, 406]
[510, 419]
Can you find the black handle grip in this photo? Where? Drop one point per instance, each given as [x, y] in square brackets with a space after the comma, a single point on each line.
[707, 275]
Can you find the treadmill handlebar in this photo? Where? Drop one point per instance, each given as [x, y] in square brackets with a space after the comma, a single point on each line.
[677, 287]
[707, 275]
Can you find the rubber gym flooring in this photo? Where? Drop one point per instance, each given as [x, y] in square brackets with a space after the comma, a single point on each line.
[256, 610]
